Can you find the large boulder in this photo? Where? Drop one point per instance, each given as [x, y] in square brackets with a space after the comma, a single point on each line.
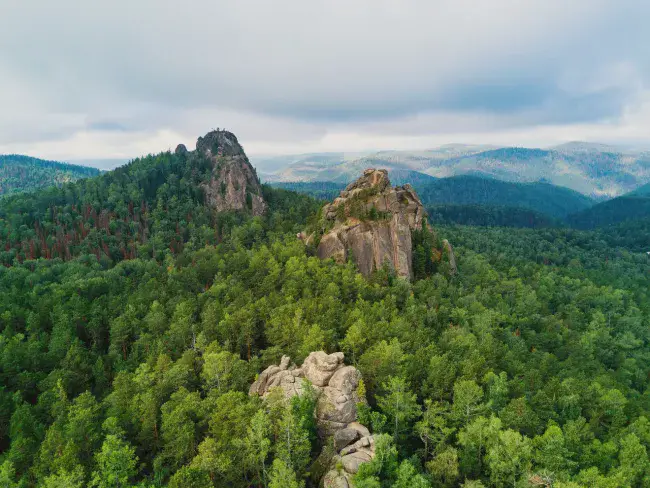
[372, 222]
[334, 382]
[453, 267]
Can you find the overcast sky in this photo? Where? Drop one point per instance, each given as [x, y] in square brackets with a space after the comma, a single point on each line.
[121, 78]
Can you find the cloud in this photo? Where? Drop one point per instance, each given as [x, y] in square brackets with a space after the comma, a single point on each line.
[88, 79]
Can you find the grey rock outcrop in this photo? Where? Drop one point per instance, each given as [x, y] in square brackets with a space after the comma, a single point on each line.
[233, 183]
[336, 409]
[335, 384]
[450, 256]
[372, 222]
[180, 150]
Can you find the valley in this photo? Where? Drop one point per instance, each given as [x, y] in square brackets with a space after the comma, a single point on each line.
[595, 170]
[156, 314]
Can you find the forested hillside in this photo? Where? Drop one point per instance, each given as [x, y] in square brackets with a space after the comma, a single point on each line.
[631, 207]
[489, 216]
[321, 190]
[153, 204]
[134, 318]
[486, 194]
[24, 173]
[554, 201]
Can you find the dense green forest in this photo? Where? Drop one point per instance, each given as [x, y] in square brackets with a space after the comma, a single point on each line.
[489, 216]
[24, 173]
[321, 190]
[553, 201]
[133, 319]
[626, 208]
[473, 200]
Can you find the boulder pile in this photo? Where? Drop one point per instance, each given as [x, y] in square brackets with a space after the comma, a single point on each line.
[336, 410]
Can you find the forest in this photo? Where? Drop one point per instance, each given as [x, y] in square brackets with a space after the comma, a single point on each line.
[554, 202]
[487, 202]
[133, 319]
[490, 216]
[23, 173]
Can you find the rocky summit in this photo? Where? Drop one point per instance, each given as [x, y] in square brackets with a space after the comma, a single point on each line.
[234, 184]
[372, 222]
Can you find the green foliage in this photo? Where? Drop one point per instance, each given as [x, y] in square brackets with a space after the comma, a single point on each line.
[467, 401]
[292, 443]
[444, 467]
[23, 173]
[283, 476]
[116, 464]
[423, 244]
[133, 369]
[399, 405]
[188, 477]
[257, 445]
[66, 479]
[321, 190]
[552, 201]
[408, 477]
[490, 216]
[509, 458]
[149, 208]
[8, 475]
[382, 470]
[624, 208]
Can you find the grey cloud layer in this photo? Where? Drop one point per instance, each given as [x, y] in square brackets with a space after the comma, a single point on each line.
[147, 65]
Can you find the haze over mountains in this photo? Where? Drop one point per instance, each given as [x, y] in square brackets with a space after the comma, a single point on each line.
[596, 170]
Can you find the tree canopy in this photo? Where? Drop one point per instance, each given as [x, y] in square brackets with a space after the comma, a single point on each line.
[133, 319]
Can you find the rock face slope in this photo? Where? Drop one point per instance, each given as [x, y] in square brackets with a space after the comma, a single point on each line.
[372, 222]
[336, 410]
[233, 185]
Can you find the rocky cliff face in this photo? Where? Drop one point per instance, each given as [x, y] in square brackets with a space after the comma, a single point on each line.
[372, 222]
[336, 410]
[233, 184]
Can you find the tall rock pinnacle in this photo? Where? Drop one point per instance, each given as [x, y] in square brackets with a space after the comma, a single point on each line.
[233, 184]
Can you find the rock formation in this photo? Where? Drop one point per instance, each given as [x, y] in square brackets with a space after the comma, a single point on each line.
[233, 184]
[336, 409]
[453, 267]
[181, 150]
[372, 222]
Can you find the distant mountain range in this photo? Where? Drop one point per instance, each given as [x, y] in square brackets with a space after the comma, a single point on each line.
[23, 173]
[595, 170]
[583, 185]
